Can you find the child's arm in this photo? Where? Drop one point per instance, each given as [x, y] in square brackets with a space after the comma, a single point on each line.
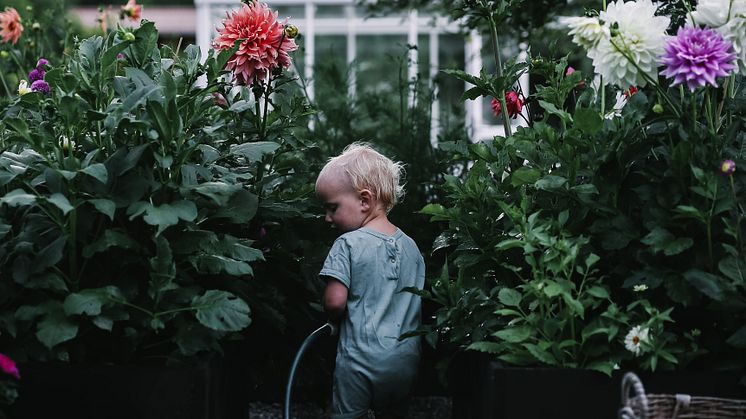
[335, 298]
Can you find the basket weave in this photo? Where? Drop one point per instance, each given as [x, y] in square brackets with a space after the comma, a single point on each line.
[674, 406]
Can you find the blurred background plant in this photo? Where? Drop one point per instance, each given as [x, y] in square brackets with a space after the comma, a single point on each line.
[8, 383]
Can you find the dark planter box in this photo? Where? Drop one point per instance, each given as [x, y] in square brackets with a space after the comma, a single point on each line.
[126, 392]
[485, 390]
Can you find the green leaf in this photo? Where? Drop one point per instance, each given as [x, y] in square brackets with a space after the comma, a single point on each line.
[540, 354]
[61, 202]
[515, 334]
[241, 207]
[706, 283]
[104, 206]
[46, 281]
[738, 339]
[509, 297]
[606, 367]
[588, 120]
[89, 301]
[222, 311]
[50, 254]
[524, 175]
[733, 268]
[219, 192]
[574, 304]
[56, 328]
[254, 152]
[18, 197]
[162, 267]
[97, 171]
[215, 264]
[599, 292]
[553, 289]
[165, 215]
[551, 109]
[508, 244]
[487, 347]
[110, 238]
[550, 182]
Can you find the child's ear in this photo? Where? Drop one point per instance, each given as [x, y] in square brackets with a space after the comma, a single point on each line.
[366, 199]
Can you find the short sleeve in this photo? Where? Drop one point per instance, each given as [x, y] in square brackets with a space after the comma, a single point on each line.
[337, 263]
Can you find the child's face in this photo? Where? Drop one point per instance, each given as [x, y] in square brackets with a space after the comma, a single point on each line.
[343, 205]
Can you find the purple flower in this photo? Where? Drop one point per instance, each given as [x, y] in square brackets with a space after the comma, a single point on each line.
[697, 56]
[120, 57]
[41, 63]
[40, 86]
[36, 74]
[727, 167]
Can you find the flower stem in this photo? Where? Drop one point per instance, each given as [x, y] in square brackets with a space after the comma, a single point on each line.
[499, 68]
[5, 85]
[738, 216]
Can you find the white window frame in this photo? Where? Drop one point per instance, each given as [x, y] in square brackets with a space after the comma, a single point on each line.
[209, 13]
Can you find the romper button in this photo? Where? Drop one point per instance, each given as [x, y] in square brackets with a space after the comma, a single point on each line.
[392, 260]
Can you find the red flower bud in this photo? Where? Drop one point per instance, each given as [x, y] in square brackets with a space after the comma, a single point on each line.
[512, 101]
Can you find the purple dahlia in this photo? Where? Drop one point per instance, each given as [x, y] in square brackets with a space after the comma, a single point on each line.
[36, 74]
[697, 57]
[40, 86]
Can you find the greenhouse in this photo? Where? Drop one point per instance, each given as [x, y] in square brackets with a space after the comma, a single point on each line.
[442, 209]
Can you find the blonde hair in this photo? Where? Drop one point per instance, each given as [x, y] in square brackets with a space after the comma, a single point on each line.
[366, 168]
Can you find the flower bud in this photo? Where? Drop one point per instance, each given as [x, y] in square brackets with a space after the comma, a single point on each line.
[291, 31]
[36, 26]
[29, 8]
[4, 54]
[128, 36]
[658, 108]
[727, 167]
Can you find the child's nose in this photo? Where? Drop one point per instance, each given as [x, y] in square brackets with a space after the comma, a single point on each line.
[328, 217]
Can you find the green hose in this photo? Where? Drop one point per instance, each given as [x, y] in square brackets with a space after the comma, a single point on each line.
[332, 330]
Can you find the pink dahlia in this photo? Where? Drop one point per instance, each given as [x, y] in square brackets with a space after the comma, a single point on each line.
[263, 47]
[698, 56]
[9, 367]
[513, 103]
[10, 25]
[131, 10]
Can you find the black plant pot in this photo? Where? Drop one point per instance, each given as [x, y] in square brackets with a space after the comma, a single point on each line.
[486, 390]
[124, 392]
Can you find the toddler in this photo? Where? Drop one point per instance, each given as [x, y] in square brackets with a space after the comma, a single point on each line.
[365, 272]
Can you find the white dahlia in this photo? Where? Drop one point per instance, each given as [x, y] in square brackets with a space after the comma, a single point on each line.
[728, 17]
[637, 38]
[585, 31]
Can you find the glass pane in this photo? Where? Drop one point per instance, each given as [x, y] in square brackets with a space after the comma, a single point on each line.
[292, 12]
[450, 55]
[330, 11]
[423, 56]
[381, 61]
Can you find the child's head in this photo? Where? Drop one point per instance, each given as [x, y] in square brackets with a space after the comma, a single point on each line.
[366, 169]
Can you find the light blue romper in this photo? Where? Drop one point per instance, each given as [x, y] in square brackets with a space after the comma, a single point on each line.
[373, 368]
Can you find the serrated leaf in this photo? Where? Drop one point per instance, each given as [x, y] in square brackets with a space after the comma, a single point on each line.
[540, 354]
[222, 311]
[509, 297]
[89, 301]
[487, 347]
[515, 334]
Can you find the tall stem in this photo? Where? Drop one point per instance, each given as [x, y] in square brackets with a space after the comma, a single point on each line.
[499, 67]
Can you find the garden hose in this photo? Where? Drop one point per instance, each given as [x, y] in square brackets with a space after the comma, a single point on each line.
[327, 328]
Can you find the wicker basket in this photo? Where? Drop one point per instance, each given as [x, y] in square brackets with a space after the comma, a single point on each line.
[674, 406]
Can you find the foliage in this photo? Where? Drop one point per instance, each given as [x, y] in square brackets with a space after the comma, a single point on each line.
[128, 198]
[566, 234]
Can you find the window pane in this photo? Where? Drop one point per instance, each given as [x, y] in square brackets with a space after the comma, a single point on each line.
[380, 59]
[330, 11]
[450, 55]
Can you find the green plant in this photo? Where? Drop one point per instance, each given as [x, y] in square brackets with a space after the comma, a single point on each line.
[598, 221]
[128, 198]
